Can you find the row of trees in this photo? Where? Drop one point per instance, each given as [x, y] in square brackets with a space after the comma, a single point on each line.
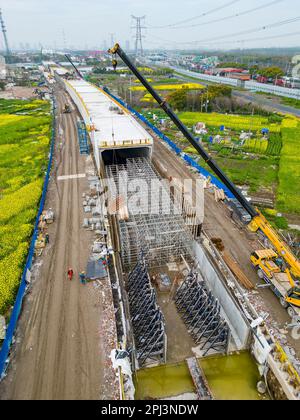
[193, 100]
[216, 98]
[269, 72]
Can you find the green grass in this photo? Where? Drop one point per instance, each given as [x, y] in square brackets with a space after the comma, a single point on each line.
[259, 173]
[236, 122]
[24, 149]
[294, 103]
[288, 198]
[269, 165]
[279, 222]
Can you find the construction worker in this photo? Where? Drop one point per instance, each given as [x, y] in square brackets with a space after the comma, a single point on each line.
[82, 277]
[70, 274]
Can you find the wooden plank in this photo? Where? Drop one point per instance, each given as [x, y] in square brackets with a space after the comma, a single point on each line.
[237, 271]
[199, 379]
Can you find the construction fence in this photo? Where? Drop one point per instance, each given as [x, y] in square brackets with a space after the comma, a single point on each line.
[5, 349]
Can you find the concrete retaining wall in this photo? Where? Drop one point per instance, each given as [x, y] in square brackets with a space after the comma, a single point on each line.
[238, 323]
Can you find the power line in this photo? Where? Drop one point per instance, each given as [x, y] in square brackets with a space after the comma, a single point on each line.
[258, 29]
[286, 35]
[246, 12]
[267, 37]
[217, 9]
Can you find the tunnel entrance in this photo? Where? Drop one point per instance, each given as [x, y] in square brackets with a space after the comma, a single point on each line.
[119, 156]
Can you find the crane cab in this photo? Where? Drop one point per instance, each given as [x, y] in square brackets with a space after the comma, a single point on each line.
[267, 261]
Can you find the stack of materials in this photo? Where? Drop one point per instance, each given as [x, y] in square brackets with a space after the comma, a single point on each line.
[200, 311]
[146, 317]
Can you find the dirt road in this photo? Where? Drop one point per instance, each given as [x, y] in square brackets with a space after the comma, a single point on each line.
[60, 350]
[238, 242]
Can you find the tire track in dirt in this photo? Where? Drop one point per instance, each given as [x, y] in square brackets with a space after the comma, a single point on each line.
[59, 355]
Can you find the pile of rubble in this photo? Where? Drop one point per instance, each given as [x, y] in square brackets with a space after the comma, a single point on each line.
[110, 387]
[279, 333]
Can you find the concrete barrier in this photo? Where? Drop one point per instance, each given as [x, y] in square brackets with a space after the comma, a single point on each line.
[240, 327]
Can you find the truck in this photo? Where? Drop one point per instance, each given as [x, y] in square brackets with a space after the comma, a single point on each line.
[262, 79]
[270, 268]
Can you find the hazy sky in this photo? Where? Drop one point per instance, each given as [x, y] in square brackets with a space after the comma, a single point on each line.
[87, 23]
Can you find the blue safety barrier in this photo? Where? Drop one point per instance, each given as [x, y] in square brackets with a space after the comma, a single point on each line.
[84, 148]
[214, 180]
[5, 349]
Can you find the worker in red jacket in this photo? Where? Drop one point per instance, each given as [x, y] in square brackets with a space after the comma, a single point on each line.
[70, 274]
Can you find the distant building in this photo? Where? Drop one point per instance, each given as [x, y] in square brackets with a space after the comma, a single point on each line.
[232, 73]
[3, 68]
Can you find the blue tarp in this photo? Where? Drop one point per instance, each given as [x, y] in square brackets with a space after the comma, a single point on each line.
[95, 270]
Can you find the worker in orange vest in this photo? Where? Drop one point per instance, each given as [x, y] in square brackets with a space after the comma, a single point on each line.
[70, 274]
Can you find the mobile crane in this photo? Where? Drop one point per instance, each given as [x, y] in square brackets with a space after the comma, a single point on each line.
[270, 268]
[258, 221]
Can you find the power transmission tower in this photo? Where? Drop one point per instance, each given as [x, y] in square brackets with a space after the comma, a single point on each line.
[4, 31]
[139, 21]
[112, 39]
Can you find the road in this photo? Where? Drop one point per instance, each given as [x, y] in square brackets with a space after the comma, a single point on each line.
[240, 243]
[272, 105]
[60, 351]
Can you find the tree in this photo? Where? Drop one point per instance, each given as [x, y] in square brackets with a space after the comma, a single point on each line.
[272, 72]
[178, 99]
[219, 90]
[254, 69]
[232, 64]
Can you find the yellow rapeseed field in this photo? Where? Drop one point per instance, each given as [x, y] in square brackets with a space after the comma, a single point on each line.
[171, 86]
[24, 150]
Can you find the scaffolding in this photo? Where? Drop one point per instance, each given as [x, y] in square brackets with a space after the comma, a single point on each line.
[147, 320]
[154, 224]
[201, 313]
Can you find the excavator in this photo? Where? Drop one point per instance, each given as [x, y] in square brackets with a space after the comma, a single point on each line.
[258, 221]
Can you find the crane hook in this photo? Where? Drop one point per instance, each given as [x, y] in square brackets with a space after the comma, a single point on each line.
[114, 64]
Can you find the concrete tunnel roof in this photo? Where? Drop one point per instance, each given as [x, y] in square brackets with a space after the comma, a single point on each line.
[113, 123]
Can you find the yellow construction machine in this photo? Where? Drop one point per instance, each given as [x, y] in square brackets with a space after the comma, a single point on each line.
[283, 250]
[270, 268]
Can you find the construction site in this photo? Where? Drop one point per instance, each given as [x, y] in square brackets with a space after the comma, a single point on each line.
[170, 291]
